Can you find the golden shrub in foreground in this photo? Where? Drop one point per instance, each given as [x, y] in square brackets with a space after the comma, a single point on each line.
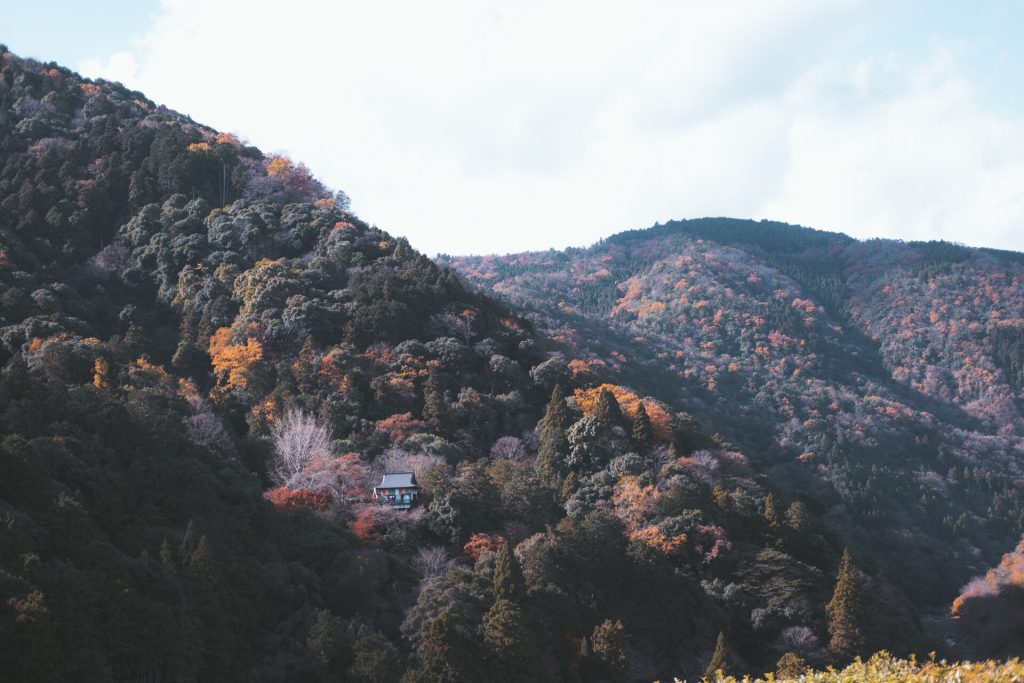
[883, 668]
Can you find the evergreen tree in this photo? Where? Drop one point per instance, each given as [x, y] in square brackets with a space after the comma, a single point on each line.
[771, 513]
[511, 642]
[642, 432]
[791, 665]
[450, 654]
[375, 660]
[434, 407]
[569, 486]
[722, 659]
[326, 637]
[607, 411]
[845, 613]
[166, 554]
[508, 575]
[609, 645]
[553, 445]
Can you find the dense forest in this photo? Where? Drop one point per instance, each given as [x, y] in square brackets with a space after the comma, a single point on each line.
[711, 446]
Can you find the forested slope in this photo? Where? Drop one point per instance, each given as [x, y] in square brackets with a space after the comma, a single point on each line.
[208, 361]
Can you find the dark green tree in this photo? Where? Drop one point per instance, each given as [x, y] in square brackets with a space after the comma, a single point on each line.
[375, 660]
[721, 659]
[450, 654]
[609, 646]
[508, 575]
[511, 644]
[326, 637]
[845, 613]
[607, 411]
[434, 407]
[642, 432]
[790, 665]
[553, 445]
[771, 512]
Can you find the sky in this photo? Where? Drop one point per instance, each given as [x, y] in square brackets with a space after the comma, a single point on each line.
[480, 126]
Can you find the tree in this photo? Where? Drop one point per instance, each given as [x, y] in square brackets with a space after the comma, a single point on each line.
[791, 665]
[375, 660]
[642, 432]
[508, 575]
[450, 654]
[511, 642]
[609, 645]
[326, 637]
[297, 440]
[722, 659]
[434, 407]
[771, 512]
[607, 410]
[845, 613]
[553, 444]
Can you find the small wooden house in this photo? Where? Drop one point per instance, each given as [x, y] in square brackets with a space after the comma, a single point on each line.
[397, 489]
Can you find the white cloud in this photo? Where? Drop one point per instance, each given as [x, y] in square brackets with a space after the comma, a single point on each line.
[490, 126]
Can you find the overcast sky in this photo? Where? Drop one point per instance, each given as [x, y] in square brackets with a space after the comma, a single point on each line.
[483, 126]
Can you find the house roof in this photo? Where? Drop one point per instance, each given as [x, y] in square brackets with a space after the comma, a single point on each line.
[397, 480]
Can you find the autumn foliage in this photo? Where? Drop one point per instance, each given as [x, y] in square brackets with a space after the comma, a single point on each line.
[628, 401]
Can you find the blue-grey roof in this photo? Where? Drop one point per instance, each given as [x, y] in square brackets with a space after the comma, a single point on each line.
[397, 480]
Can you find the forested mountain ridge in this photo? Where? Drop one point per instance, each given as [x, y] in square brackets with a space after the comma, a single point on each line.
[208, 361]
[886, 371]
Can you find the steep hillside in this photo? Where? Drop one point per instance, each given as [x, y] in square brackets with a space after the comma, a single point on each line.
[208, 361]
[880, 377]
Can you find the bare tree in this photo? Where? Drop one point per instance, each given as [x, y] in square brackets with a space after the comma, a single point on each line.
[297, 440]
[508, 448]
[207, 429]
[431, 562]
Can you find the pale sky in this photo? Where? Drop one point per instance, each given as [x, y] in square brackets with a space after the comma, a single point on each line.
[484, 126]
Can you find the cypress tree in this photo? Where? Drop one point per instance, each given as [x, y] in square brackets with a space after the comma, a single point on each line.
[643, 432]
[166, 554]
[607, 410]
[721, 660]
[569, 486]
[508, 575]
[508, 636]
[771, 513]
[845, 613]
[791, 665]
[609, 639]
[450, 654]
[434, 408]
[553, 444]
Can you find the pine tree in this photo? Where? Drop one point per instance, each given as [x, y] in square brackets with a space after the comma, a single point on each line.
[326, 637]
[642, 433]
[188, 542]
[508, 575]
[553, 444]
[569, 486]
[721, 660]
[607, 411]
[434, 408]
[771, 513]
[609, 643]
[166, 554]
[845, 613]
[511, 643]
[791, 665]
[450, 654]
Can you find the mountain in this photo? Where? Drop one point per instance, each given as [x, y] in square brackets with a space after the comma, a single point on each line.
[209, 360]
[881, 377]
